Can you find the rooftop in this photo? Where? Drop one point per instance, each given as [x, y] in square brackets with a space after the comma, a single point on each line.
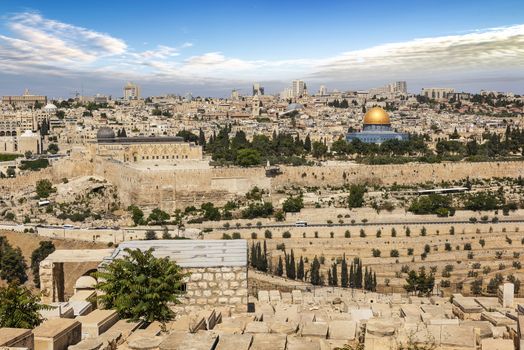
[192, 253]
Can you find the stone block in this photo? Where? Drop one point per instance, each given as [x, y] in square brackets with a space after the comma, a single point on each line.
[234, 342]
[269, 341]
[286, 298]
[342, 330]
[294, 343]
[189, 341]
[497, 344]
[256, 327]
[16, 338]
[57, 334]
[97, 322]
[274, 296]
[314, 329]
[297, 296]
[263, 296]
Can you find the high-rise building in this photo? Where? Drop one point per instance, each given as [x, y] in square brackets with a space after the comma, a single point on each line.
[258, 90]
[298, 88]
[400, 87]
[437, 93]
[323, 90]
[235, 94]
[131, 91]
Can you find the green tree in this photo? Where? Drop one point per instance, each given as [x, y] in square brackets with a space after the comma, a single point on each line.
[12, 263]
[44, 188]
[319, 149]
[316, 280]
[158, 217]
[137, 214]
[293, 204]
[39, 254]
[140, 286]
[19, 308]
[356, 196]
[248, 157]
[280, 268]
[52, 148]
[300, 269]
[150, 235]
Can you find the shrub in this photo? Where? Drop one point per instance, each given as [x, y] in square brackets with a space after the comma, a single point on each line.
[236, 235]
[347, 234]
[410, 251]
[268, 234]
[286, 234]
[362, 233]
[254, 235]
[226, 236]
[394, 253]
[376, 253]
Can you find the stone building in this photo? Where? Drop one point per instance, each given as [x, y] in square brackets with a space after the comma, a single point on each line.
[143, 149]
[218, 270]
[377, 128]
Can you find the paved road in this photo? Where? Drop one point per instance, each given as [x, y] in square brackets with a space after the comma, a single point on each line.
[375, 223]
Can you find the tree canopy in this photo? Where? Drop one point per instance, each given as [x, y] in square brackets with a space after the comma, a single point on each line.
[140, 286]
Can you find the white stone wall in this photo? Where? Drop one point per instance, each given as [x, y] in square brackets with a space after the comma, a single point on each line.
[217, 286]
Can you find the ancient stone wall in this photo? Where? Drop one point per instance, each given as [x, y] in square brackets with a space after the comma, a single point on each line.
[412, 173]
[217, 286]
[60, 169]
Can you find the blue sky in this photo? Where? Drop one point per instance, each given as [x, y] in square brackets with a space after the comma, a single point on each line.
[210, 47]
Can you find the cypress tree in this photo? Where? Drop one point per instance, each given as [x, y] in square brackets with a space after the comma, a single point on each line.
[351, 276]
[344, 273]
[280, 268]
[264, 258]
[300, 269]
[201, 138]
[292, 271]
[374, 281]
[334, 274]
[307, 144]
[315, 272]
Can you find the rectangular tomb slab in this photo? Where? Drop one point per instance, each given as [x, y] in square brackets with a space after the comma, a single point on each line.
[97, 322]
[458, 336]
[234, 342]
[16, 338]
[342, 330]
[294, 343]
[263, 296]
[269, 341]
[274, 296]
[189, 341]
[57, 334]
[256, 327]
[314, 329]
[497, 344]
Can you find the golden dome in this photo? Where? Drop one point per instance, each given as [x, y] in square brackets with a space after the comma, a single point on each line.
[377, 116]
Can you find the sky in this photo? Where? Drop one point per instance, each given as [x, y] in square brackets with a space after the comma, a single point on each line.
[208, 48]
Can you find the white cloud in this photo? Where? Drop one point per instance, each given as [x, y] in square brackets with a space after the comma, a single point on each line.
[36, 44]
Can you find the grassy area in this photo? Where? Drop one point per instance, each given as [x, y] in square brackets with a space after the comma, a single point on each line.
[7, 157]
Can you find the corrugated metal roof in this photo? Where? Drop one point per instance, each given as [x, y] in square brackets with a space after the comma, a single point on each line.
[192, 253]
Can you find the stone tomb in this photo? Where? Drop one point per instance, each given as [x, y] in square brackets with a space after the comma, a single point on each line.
[57, 334]
[16, 338]
[97, 322]
[218, 269]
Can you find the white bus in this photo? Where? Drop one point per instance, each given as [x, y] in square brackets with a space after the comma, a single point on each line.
[301, 223]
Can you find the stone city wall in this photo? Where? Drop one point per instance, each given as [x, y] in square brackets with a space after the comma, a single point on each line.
[217, 286]
[60, 169]
[413, 173]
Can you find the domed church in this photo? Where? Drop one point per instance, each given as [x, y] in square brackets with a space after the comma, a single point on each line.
[377, 128]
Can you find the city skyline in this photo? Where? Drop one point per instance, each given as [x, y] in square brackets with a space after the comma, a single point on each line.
[170, 48]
